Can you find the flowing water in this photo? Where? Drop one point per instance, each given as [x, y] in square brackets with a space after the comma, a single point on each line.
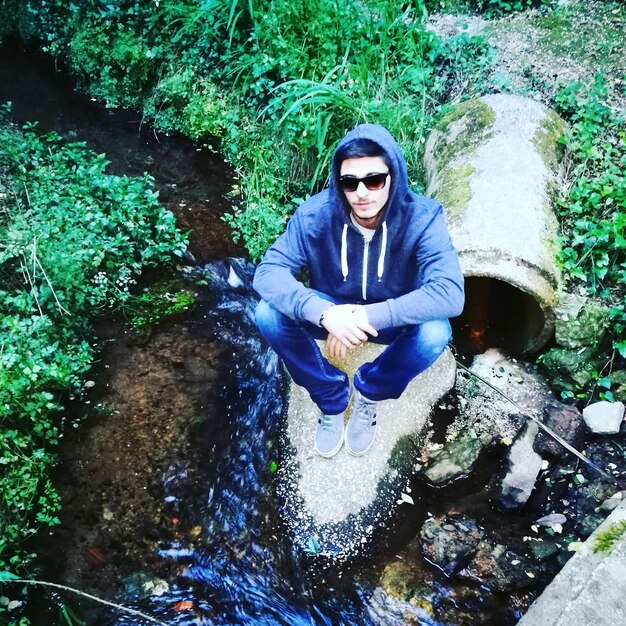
[244, 570]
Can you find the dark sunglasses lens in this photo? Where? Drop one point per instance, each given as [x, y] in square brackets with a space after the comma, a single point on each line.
[373, 182]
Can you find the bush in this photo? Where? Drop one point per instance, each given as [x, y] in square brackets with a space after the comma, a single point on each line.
[73, 241]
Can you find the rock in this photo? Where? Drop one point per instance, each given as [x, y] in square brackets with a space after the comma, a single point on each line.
[588, 524]
[524, 465]
[610, 504]
[499, 568]
[542, 550]
[550, 520]
[604, 418]
[572, 369]
[398, 580]
[141, 585]
[619, 384]
[450, 543]
[486, 411]
[565, 421]
[580, 322]
[456, 459]
[340, 505]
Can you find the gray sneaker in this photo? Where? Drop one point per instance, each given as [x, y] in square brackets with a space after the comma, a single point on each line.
[361, 427]
[329, 434]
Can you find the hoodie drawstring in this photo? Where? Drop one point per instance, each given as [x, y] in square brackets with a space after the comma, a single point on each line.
[383, 249]
[344, 252]
[381, 257]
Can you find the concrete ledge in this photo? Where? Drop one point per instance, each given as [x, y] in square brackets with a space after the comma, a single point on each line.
[590, 590]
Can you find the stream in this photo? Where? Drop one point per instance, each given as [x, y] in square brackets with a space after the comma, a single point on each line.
[168, 498]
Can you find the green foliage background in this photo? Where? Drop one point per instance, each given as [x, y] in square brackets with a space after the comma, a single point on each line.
[73, 240]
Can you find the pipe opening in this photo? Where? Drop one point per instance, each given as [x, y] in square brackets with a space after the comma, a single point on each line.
[497, 315]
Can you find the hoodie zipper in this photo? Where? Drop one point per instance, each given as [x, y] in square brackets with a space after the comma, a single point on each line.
[365, 259]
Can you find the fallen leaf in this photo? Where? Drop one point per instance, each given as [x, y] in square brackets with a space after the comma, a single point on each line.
[183, 605]
[407, 498]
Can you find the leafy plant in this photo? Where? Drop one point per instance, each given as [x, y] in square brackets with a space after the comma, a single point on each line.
[73, 241]
[606, 539]
[593, 210]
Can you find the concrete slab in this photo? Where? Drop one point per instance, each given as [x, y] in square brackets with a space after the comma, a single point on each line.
[334, 505]
[590, 590]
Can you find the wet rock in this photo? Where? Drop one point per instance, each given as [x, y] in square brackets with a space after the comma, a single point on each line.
[610, 504]
[604, 418]
[571, 369]
[619, 384]
[141, 585]
[580, 322]
[450, 543]
[549, 521]
[486, 411]
[397, 580]
[523, 467]
[588, 524]
[456, 458]
[499, 568]
[542, 550]
[565, 421]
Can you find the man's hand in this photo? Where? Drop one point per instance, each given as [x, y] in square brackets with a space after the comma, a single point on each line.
[348, 323]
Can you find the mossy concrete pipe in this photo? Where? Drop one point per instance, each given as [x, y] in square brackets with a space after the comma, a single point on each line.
[494, 163]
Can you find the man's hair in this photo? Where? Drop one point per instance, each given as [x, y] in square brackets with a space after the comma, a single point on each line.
[360, 147]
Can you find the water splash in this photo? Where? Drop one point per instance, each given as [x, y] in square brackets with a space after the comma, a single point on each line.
[246, 572]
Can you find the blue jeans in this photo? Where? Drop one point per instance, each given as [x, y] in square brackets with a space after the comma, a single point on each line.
[410, 350]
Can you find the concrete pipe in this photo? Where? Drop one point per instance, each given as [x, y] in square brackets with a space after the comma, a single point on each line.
[494, 163]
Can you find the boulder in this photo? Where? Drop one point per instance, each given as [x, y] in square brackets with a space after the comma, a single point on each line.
[523, 467]
[580, 322]
[450, 543]
[565, 421]
[456, 459]
[604, 418]
[572, 369]
[335, 507]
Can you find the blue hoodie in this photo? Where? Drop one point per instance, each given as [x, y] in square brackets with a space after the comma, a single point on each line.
[412, 272]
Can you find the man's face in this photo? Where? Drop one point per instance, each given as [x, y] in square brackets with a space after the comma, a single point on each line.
[366, 204]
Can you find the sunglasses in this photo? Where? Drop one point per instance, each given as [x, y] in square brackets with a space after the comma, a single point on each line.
[373, 182]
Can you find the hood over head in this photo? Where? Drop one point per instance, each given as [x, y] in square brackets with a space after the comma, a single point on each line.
[399, 177]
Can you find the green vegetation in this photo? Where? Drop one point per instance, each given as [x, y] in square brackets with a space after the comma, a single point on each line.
[158, 303]
[605, 540]
[73, 240]
[593, 210]
[272, 84]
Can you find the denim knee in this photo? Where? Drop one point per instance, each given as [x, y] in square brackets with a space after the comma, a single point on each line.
[268, 319]
[433, 337]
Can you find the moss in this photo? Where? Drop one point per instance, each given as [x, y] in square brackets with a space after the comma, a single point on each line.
[403, 454]
[159, 303]
[606, 539]
[455, 190]
[548, 140]
[472, 120]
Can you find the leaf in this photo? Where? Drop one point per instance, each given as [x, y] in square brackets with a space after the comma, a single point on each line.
[406, 498]
[312, 546]
[7, 576]
[183, 605]
[273, 467]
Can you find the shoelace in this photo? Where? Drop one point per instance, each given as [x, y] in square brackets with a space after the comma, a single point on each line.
[328, 421]
[365, 414]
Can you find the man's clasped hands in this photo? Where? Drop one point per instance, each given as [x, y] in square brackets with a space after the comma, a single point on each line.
[347, 327]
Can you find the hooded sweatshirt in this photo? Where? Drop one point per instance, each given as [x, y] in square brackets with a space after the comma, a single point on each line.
[407, 274]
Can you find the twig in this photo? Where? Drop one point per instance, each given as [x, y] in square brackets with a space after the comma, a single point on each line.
[44, 583]
[30, 282]
[529, 413]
